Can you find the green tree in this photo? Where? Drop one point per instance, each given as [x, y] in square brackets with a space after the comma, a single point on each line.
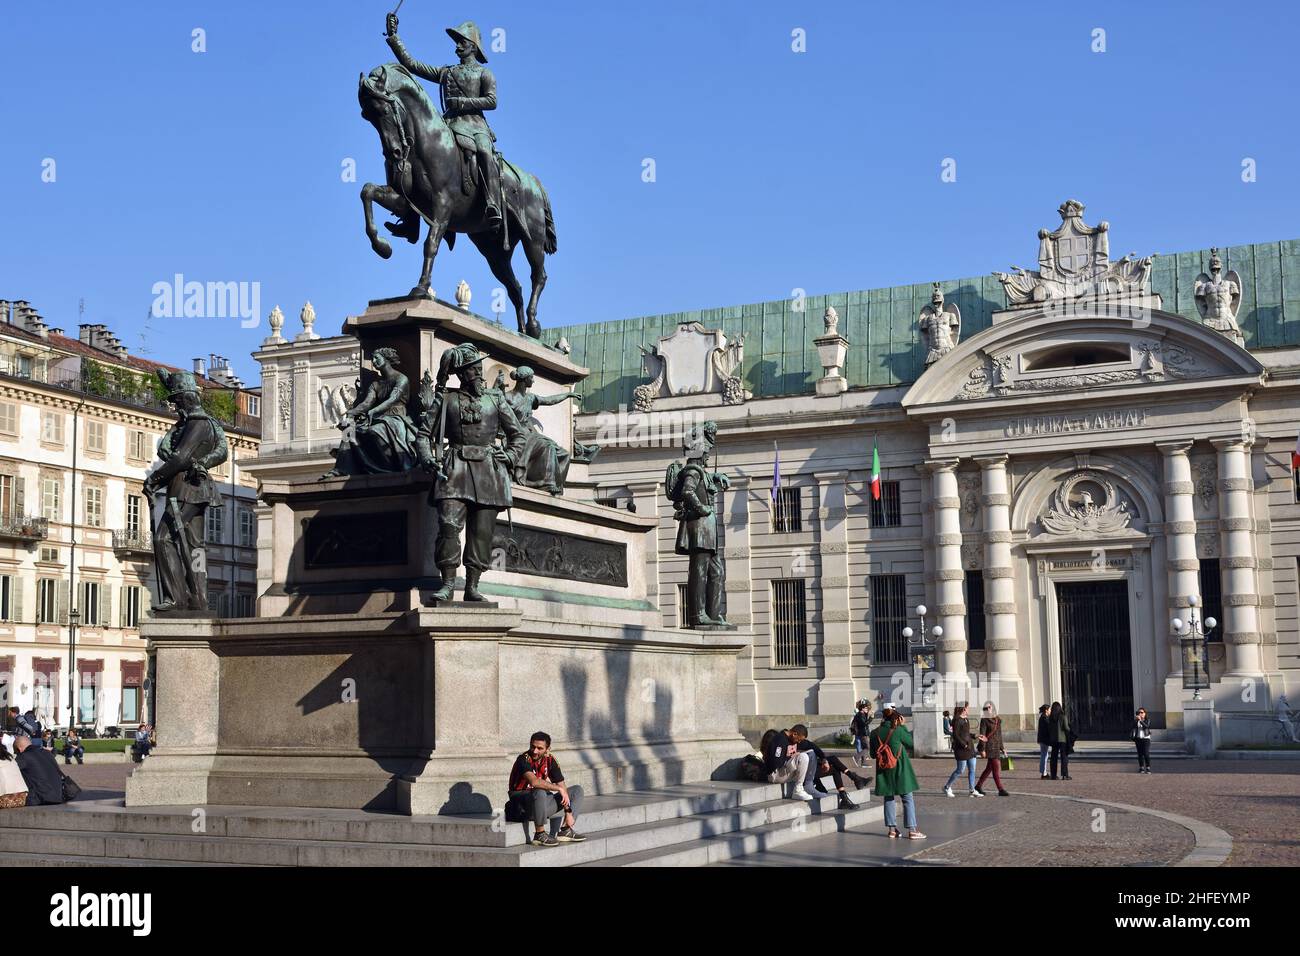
[220, 404]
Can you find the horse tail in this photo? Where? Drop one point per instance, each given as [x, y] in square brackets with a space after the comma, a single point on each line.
[550, 245]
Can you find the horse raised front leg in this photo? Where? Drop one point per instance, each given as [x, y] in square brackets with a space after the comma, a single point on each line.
[387, 197]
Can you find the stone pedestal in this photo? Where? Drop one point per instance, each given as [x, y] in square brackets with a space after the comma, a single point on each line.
[1200, 728]
[831, 352]
[927, 730]
[423, 711]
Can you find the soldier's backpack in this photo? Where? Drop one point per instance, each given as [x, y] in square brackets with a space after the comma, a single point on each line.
[673, 481]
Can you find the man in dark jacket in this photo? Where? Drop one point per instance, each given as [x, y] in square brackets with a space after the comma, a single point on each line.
[783, 762]
[861, 729]
[41, 772]
[819, 763]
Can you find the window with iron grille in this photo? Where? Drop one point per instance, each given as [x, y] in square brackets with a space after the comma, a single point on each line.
[789, 624]
[681, 605]
[888, 618]
[887, 512]
[786, 515]
[975, 610]
[1212, 596]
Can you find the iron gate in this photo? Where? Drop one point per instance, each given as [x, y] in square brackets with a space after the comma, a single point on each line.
[1096, 664]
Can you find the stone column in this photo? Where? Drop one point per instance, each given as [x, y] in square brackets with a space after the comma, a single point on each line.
[1002, 643]
[836, 693]
[646, 498]
[1180, 548]
[949, 577]
[1241, 635]
[300, 417]
[1266, 587]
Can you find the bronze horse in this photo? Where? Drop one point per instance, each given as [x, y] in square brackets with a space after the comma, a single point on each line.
[427, 178]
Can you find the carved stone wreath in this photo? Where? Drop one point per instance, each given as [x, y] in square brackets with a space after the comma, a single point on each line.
[1206, 471]
[1064, 516]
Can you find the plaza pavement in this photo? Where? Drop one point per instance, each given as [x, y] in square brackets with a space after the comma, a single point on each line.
[1256, 802]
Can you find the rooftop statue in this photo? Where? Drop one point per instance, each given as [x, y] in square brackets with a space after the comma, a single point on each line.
[1074, 261]
[941, 326]
[442, 168]
[1218, 299]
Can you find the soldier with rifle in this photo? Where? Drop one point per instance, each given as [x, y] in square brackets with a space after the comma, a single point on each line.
[194, 444]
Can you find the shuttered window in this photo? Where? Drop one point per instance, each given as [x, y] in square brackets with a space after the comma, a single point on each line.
[888, 618]
[789, 624]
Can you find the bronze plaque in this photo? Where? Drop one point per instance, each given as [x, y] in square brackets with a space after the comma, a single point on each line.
[354, 540]
[553, 554]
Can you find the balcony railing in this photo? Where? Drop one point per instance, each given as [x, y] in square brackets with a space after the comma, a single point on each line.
[24, 528]
[132, 541]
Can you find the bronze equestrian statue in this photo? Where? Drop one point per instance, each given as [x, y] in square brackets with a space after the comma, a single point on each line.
[441, 168]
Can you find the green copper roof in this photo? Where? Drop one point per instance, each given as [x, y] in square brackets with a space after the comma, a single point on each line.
[881, 324]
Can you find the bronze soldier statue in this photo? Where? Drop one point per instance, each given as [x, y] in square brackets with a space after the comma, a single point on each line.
[465, 90]
[473, 471]
[693, 489]
[194, 444]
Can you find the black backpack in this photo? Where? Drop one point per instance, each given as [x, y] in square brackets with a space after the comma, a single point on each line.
[751, 768]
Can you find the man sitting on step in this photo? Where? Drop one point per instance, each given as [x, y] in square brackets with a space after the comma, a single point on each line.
[820, 764]
[783, 762]
[537, 793]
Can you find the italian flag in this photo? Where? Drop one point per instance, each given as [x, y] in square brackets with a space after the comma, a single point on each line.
[875, 468]
[1295, 455]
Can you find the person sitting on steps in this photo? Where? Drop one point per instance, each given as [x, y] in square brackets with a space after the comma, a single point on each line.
[820, 763]
[538, 792]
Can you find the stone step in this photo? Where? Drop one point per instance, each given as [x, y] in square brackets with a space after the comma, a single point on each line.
[729, 846]
[46, 860]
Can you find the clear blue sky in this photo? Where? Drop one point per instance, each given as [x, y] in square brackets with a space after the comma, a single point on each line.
[775, 169]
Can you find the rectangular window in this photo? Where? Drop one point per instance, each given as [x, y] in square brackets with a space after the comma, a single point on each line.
[975, 610]
[50, 555]
[51, 498]
[134, 508]
[95, 436]
[254, 406]
[214, 523]
[47, 601]
[786, 515]
[888, 618]
[137, 446]
[8, 418]
[681, 605]
[25, 366]
[90, 603]
[789, 624]
[87, 693]
[1212, 596]
[887, 512]
[6, 597]
[52, 428]
[130, 705]
[247, 528]
[131, 606]
[7, 499]
[94, 507]
[244, 605]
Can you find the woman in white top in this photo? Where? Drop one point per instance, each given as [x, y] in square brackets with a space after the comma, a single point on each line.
[13, 789]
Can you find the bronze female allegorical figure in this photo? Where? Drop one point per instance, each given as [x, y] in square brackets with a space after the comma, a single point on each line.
[383, 437]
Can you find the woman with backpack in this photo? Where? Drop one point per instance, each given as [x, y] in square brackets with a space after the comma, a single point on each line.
[861, 729]
[894, 774]
[1058, 736]
[990, 738]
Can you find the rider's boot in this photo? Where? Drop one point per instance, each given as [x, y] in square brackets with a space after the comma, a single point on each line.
[492, 184]
[405, 228]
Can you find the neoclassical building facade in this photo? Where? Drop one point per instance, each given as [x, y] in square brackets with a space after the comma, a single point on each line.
[1094, 449]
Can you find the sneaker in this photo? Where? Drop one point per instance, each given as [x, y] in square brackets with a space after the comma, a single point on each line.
[947, 792]
[569, 835]
[544, 839]
[1004, 793]
[801, 794]
[977, 792]
[1046, 777]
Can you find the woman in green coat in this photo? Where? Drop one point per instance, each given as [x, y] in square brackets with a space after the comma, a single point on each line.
[900, 779]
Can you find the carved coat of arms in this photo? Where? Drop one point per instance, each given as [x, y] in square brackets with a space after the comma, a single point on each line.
[1086, 502]
[692, 361]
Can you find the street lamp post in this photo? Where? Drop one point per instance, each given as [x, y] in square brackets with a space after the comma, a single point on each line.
[1195, 647]
[922, 650]
[74, 617]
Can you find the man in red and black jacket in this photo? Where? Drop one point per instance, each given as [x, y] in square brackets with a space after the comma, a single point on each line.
[538, 792]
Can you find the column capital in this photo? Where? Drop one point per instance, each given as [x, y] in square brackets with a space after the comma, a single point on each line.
[830, 477]
[938, 465]
[1230, 444]
[991, 461]
[1169, 448]
[738, 482]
